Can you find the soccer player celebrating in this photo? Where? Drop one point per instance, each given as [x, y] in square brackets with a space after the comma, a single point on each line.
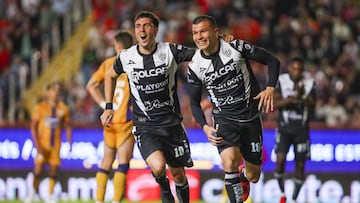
[224, 70]
[152, 68]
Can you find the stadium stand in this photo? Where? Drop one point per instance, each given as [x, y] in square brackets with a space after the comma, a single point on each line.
[325, 33]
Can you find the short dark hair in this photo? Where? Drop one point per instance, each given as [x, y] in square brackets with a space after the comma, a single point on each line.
[125, 38]
[147, 14]
[297, 59]
[208, 18]
[52, 84]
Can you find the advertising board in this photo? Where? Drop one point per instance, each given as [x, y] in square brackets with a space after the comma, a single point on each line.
[332, 173]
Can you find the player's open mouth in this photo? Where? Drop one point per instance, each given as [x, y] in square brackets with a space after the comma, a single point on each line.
[143, 36]
[201, 42]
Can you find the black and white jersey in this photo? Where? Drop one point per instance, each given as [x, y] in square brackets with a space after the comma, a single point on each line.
[294, 117]
[229, 80]
[152, 80]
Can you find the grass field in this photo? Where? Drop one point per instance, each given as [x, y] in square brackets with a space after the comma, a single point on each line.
[18, 201]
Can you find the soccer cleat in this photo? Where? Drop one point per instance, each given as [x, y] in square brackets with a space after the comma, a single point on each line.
[246, 189]
[30, 198]
[245, 184]
[167, 197]
[51, 200]
[282, 199]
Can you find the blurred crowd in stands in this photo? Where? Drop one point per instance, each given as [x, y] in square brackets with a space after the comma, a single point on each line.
[326, 33]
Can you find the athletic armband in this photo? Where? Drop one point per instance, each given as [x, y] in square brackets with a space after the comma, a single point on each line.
[109, 106]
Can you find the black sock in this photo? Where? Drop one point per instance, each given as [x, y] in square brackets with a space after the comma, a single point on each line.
[280, 179]
[298, 183]
[165, 190]
[163, 182]
[182, 192]
[233, 186]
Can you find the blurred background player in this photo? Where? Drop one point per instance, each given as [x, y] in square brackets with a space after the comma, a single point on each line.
[118, 138]
[49, 117]
[295, 99]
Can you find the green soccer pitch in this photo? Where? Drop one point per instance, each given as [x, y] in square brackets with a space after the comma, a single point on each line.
[18, 201]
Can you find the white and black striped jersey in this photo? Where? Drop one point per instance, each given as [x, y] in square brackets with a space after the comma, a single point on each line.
[153, 83]
[229, 80]
[294, 117]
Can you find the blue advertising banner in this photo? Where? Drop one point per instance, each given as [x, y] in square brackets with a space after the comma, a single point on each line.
[332, 151]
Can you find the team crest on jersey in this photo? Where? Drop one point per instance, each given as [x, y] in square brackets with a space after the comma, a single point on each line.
[227, 52]
[179, 47]
[162, 56]
[202, 70]
[131, 62]
[249, 47]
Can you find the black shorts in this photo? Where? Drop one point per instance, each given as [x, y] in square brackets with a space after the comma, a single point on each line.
[300, 141]
[245, 135]
[172, 141]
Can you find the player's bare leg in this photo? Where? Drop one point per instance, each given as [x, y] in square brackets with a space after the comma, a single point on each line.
[157, 163]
